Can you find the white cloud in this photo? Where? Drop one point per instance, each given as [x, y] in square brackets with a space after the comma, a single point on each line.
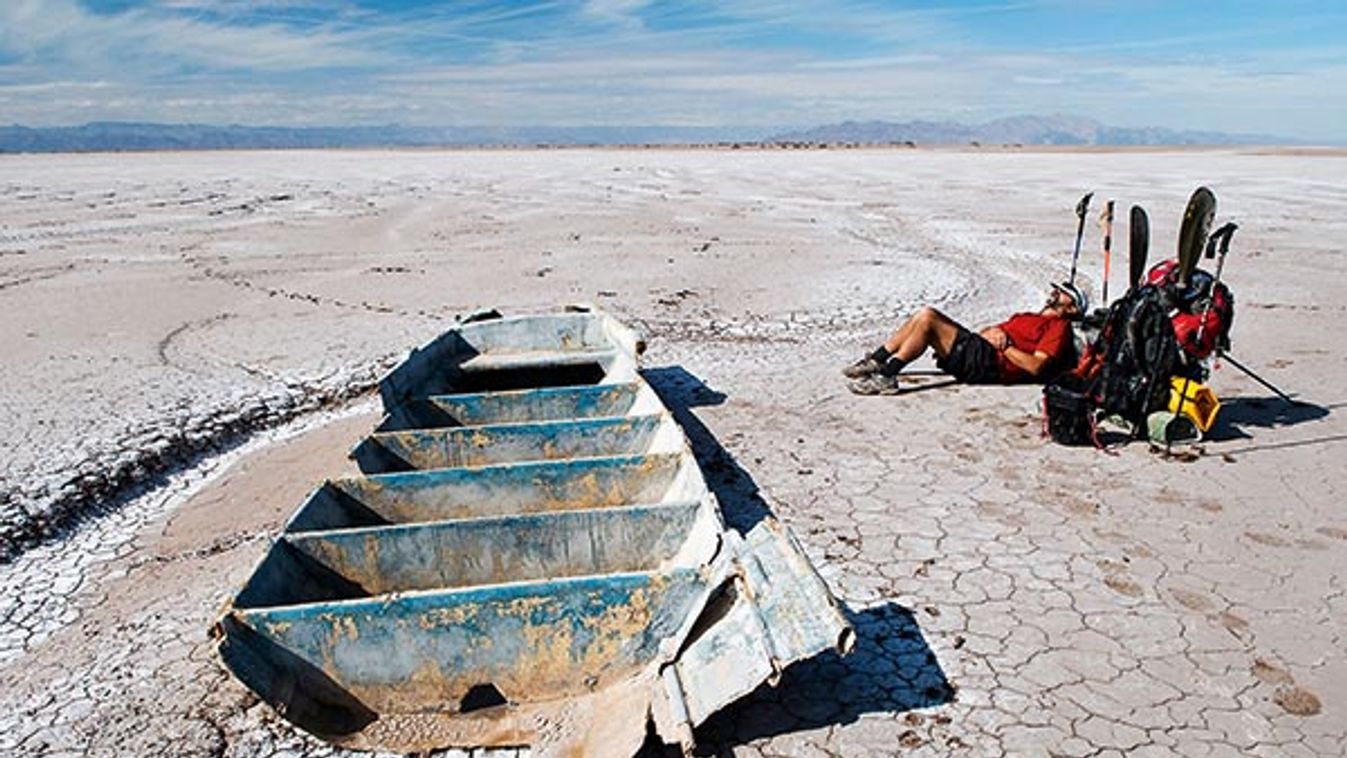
[622, 12]
[616, 62]
[889, 61]
[64, 36]
[38, 88]
[254, 6]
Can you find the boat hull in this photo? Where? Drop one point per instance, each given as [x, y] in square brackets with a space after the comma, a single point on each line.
[531, 556]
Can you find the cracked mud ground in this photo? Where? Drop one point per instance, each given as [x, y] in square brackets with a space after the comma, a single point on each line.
[1011, 598]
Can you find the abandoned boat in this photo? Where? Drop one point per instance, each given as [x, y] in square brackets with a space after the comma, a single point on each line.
[530, 556]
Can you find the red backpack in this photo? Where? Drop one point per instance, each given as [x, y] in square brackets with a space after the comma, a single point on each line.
[1211, 316]
[1203, 301]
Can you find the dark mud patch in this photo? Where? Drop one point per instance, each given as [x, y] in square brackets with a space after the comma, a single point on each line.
[1271, 673]
[1297, 701]
[1123, 586]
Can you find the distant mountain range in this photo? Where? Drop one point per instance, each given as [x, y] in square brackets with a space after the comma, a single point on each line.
[108, 136]
[1018, 130]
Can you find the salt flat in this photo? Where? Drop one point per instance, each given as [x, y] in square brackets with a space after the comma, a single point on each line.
[1012, 597]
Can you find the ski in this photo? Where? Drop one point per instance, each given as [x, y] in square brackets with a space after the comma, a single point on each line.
[1107, 219]
[1139, 244]
[1197, 218]
[1081, 209]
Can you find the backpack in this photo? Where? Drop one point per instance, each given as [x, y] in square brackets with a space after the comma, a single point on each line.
[1205, 306]
[1210, 310]
[1140, 354]
[1124, 372]
[1068, 413]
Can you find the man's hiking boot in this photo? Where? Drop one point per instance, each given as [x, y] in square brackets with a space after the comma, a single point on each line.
[875, 384]
[866, 366]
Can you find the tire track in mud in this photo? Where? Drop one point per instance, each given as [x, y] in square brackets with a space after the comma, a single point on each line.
[161, 348]
[130, 223]
[243, 282]
[42, 586]
[118, 231]
[111, 231]
[140, 460]
[963, 248]
[41, 275]
[966, 284]
[794, 327]
[40, 510]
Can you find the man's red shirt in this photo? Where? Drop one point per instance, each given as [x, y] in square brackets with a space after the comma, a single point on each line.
[1049, 334]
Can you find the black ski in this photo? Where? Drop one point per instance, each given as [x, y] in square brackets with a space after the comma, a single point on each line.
[1139, 245]
[1193, 233]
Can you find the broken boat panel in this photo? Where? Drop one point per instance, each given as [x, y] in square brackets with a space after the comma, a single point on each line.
[531, 556]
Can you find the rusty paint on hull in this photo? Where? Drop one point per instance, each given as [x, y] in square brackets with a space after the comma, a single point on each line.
[521, 563]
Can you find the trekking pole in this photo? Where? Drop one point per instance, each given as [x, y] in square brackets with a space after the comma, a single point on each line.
[1228, 357]
[1107, 219]
[1081, 208]
[1223, 235]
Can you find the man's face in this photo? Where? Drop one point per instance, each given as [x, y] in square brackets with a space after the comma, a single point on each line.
[1062, 302]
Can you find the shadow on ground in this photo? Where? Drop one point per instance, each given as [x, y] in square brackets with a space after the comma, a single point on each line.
[891, 669]
[738, 494]
[1239, 415]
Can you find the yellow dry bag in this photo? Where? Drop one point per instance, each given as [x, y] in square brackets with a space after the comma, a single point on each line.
[1201, 404]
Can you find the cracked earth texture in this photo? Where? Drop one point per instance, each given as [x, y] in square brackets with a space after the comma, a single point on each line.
[1010, 597]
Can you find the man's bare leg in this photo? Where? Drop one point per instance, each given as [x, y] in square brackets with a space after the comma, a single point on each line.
[928, 327]
[904, 331]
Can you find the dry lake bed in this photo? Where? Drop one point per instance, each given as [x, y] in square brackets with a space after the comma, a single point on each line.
[190, 339]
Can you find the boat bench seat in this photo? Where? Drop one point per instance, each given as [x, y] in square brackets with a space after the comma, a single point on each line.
[534, 359]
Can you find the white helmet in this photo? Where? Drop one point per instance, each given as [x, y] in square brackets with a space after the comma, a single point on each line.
[1076, 294]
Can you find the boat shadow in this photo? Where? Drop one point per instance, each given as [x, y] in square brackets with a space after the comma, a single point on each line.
[680, 391]
[891, 669]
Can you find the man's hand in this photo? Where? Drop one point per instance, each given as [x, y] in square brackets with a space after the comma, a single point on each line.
[996, 336]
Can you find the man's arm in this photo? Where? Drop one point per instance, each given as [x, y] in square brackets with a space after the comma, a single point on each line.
[1047, 350]
[1032, 363]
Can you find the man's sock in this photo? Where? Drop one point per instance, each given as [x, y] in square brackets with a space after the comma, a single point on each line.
[880, 355]
[891, 367]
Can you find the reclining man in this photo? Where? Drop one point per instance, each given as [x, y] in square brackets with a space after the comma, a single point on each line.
[1025, 347]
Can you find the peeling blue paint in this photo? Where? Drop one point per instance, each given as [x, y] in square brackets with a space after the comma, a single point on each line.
[507, 442]
[544, 542]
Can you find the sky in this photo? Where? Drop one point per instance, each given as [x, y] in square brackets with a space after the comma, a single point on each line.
[1262, 67]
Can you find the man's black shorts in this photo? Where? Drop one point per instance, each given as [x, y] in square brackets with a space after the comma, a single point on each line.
[971, 359]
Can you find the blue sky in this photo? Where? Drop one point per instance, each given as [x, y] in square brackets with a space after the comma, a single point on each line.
[1268, 67]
